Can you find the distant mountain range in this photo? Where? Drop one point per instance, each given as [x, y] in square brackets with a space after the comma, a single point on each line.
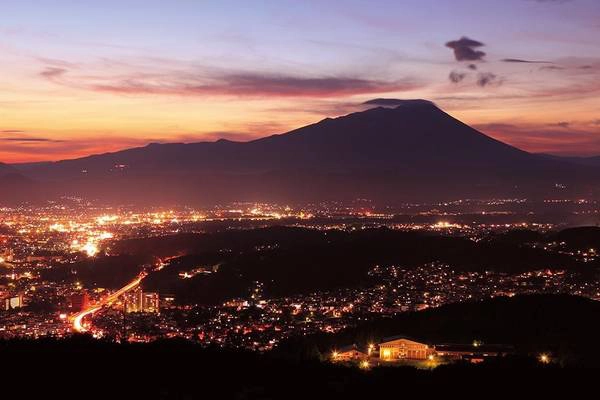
[11, 179]
[593, 161]
[5, 169]
[410, 151]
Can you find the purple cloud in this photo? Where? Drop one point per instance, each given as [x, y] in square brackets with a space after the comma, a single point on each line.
[240, 84]
[53, 72]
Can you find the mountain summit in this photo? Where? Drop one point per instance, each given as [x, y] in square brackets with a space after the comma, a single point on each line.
[407, 151]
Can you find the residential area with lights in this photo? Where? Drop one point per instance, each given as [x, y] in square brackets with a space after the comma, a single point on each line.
[140, 276]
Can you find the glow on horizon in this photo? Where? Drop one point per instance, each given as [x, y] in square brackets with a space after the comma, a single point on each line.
[79, 78]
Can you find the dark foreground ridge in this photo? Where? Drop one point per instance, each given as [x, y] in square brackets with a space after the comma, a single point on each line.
[560, 325]
[85, 368]
[82, 367]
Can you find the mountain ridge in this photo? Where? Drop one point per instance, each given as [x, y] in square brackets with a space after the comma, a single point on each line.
[412, 149]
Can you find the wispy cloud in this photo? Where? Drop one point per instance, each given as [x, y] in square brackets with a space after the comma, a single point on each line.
[52, 73]
[29, 139]
[254, 85]
[521, 61]
[21, 136]
[561, 139]
[241, 84]
[55, 62]
[551, 1]
[31, 149]
[551, 68]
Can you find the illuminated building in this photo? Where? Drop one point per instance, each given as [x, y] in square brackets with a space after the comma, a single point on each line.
[138, 301]
[348, 353]
[256, 292]
[167, 300]
[134, 301]
[13, 302]
[400, 348]
[6, 256]
[79, 301]
[150, 302]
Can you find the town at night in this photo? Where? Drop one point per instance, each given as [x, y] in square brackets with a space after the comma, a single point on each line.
[53, 284]
[299, 199]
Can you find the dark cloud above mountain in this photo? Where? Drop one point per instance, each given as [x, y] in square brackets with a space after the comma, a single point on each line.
[456, 76]
[395, 102]
[465, 49]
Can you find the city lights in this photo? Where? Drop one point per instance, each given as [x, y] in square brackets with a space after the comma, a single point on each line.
[370, 348]
[91, 249]
[45, 239]
[544, 358]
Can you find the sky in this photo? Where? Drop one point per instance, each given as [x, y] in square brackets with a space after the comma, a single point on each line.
[79, 77]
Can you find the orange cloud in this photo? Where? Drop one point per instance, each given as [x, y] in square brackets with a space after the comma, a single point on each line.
[556, 138]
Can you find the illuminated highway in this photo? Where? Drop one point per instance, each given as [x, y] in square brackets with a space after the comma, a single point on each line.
[78, 318]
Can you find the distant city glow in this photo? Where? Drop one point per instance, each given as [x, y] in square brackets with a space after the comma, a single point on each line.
[90, 249]
[62, 235]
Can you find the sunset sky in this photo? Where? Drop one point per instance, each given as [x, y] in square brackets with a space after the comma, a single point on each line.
[81, 76]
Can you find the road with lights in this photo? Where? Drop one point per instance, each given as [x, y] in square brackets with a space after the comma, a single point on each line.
[79, 317]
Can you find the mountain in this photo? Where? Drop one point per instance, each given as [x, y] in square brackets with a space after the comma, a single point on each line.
[593, 161]
[11, 176]
[411, 151]
[5, 169]
[16, 187]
